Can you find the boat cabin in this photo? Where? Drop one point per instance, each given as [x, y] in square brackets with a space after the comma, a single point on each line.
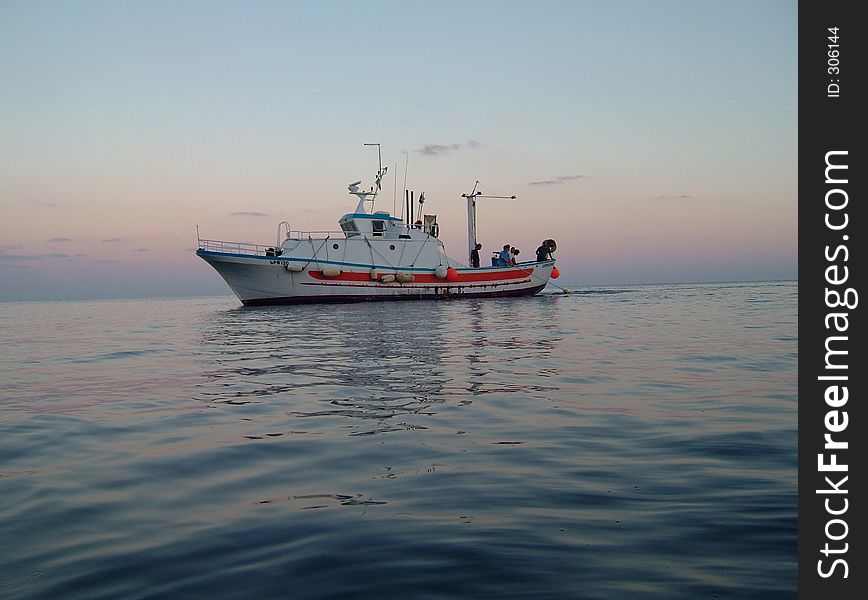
[381, 224]
[378, 224]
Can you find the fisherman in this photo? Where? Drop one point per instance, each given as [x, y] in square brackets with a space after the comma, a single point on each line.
[543, 253]
[505, 256]
[514, 252]
[474, 256]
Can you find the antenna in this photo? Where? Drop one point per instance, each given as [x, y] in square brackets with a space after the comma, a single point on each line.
[406, 165]
[381, 170]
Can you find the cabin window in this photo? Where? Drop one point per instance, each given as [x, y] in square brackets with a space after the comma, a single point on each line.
[350, 228]
[379, 227]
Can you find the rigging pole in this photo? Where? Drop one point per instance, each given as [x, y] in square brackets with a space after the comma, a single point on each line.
[471, 214]
[381, 171]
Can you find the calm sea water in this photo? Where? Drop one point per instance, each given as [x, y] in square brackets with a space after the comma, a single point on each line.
[635, 442]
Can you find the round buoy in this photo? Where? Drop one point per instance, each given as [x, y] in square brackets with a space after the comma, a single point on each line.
[555, 273]
[451, 274]
[441, 272]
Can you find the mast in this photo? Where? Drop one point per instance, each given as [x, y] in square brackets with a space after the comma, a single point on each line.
[381, 170]
[471, 218]
[471, 214]
[363, 196]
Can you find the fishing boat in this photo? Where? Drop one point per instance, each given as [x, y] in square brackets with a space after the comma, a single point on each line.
[374, 256]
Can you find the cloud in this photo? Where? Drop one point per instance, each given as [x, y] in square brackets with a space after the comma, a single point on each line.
[112, 240]
[680, 197]
[438, 149]
[558, 180]
[140, 250]
[249, 213]
[12, 247]
[60, 240]
[441, 149]
[4, 256]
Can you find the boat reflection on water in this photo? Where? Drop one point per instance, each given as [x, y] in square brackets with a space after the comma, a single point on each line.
[370, 362]
[382, 365]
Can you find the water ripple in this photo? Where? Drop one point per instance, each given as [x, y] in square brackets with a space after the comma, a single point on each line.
[591, 441]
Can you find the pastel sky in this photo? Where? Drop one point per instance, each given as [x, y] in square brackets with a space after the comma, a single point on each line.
[654, 140]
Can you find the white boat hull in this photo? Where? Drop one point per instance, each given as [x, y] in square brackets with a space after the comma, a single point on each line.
[259, 280]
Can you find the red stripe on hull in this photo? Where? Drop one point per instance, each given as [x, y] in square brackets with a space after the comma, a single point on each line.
[395, 286]
[463, 276]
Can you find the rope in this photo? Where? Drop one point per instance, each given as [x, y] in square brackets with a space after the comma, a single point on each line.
[421, 247]
[371, 248]
[385, 260]
[488, 191]
[549, 281]
[403, 246]
[307, 264]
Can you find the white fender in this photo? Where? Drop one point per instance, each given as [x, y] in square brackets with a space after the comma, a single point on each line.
[405, 277]
[331, 271]
[387, 278]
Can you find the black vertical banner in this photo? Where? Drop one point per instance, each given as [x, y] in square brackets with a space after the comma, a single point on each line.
[832, 223]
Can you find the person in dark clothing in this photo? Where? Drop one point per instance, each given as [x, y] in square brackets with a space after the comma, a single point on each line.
[474, 256]
[542, 253]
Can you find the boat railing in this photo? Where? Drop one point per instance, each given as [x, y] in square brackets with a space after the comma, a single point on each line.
[235, 247]
[260, 250]
[303, 235]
